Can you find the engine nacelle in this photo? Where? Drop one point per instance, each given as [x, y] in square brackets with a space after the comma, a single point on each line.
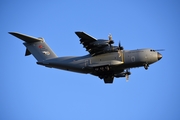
[120, 75]
[123, 74]
[110, 49]
[100, 43]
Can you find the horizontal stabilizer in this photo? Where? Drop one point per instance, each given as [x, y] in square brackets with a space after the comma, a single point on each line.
[26, 38]
[27, 52]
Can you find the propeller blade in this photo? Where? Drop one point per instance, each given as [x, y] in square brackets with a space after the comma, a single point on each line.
[120, 47]
[119, 52]
[110, 39]
[127, 74]
[127, 77]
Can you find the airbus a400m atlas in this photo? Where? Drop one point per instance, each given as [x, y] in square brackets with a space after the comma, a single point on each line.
[104, 60]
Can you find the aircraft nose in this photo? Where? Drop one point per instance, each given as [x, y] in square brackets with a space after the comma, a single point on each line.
[159, 56]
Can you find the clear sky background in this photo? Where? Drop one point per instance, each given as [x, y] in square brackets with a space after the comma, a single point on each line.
[32, 92]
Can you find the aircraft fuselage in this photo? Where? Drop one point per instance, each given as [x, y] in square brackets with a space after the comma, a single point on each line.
[130, 59]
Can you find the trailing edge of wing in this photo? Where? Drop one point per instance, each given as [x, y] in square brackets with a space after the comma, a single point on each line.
[26, 38]
[104, 63]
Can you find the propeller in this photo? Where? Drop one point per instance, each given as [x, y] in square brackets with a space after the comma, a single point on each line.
[127, 74]
[110, 39]
[120, 48]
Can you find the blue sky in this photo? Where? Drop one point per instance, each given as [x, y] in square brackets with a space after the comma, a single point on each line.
[32, 92]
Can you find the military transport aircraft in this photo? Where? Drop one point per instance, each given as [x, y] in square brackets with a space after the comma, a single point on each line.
[104, 60]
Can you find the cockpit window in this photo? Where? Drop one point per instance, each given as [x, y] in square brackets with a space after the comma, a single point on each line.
[152, 50]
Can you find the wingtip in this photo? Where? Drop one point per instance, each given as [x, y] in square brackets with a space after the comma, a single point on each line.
[12, 33]
[77, 32]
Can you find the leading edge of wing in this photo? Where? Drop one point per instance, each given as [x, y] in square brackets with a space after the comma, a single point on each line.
[84, 35]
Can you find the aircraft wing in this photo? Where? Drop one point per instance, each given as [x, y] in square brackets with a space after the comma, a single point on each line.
[85, 37]
[92, 45]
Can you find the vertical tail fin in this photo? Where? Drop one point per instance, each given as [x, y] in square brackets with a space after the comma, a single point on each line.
[35, 46]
